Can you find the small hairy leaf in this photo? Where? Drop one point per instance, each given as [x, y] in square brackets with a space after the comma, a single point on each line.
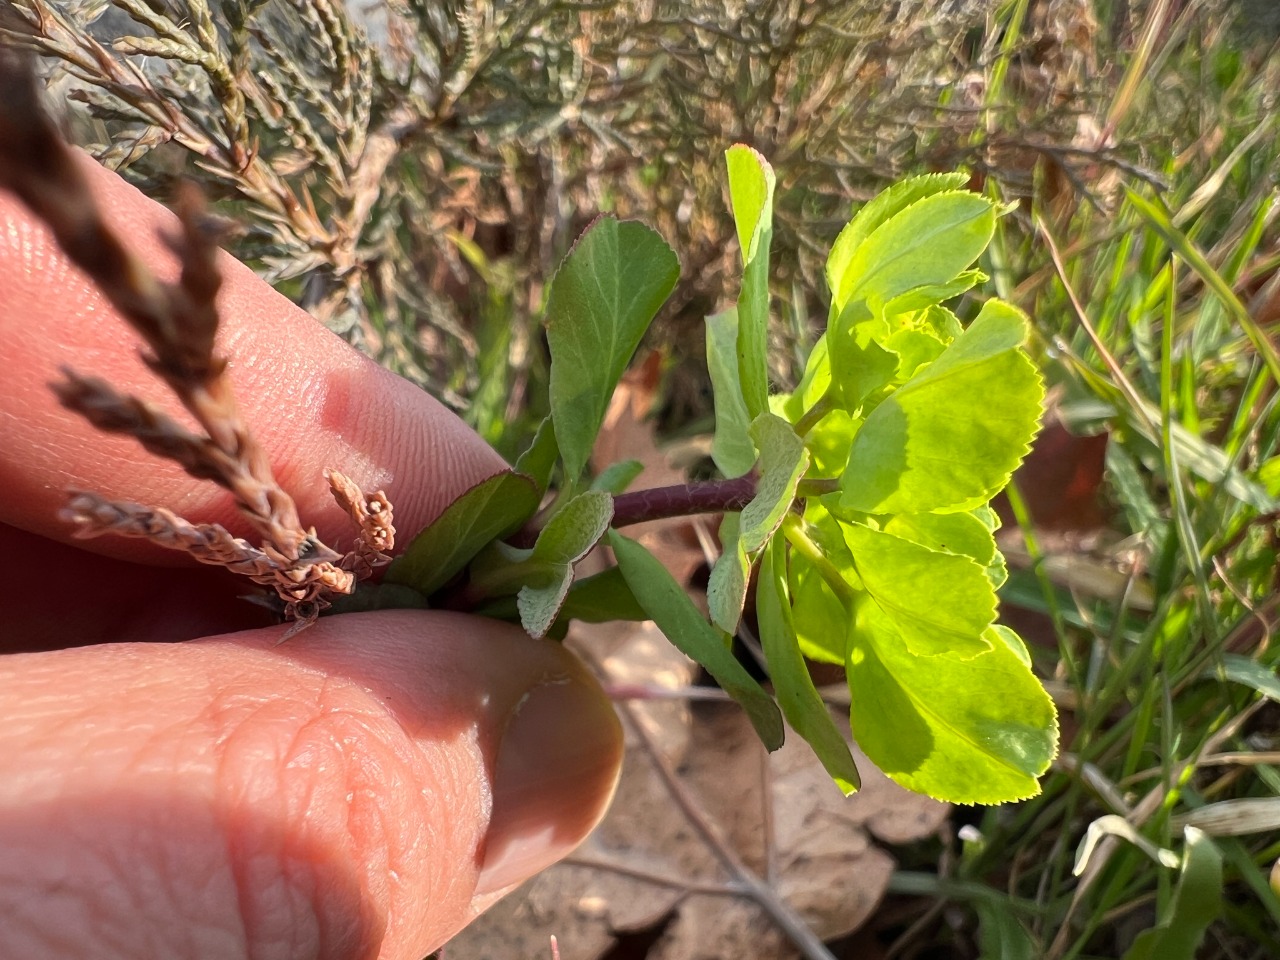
[751, 184]
[731, 449]
[783, 461]
[601, 301]
[492, 509]
[539, 603]
[968, 731]
[568, 536]
[950, 437]
[727, 585]
[671, 609]
[793, 687]
[575, 528]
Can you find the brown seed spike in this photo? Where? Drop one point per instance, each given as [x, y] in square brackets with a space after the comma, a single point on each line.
[179, 323]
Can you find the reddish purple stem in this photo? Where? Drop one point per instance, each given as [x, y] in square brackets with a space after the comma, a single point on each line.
[659, 503]
[683, 499]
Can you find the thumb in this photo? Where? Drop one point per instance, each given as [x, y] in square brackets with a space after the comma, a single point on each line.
[357, 792]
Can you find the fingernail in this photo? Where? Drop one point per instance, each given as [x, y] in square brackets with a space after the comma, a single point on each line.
[555, 774]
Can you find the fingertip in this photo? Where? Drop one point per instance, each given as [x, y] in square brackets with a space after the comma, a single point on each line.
[312, 401]
[357, 782]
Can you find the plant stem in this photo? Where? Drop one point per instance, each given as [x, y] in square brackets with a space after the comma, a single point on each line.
[659, 503]
[817, 487]
[793, 530]
[821, 407]
[684, 499]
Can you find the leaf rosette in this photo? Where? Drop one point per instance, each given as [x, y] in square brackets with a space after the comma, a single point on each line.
[866, 526]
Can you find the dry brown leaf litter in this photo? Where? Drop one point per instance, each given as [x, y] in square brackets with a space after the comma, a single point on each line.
[780, 814]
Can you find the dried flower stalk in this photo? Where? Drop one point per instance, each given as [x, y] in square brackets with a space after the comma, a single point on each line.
[179, 324]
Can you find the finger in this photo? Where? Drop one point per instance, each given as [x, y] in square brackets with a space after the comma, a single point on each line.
[61, 595]
[312, 401]
[349, 795]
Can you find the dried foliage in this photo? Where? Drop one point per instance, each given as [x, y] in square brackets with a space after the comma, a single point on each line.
[472, 140]
[178, 322]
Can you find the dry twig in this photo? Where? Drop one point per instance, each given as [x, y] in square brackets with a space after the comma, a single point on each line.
[178, 323]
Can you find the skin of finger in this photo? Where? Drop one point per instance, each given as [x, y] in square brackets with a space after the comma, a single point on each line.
[325, 798]
[311, 400]
[70, 596]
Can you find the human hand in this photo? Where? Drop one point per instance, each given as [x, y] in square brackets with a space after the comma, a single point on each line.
[363, 790]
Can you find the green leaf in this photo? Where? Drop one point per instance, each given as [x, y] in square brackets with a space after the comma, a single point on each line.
[792, 684]
[821, 619]
[939, 322]
[539, 460]
[912, 350]
[929, 295]
[1001, 935]
[813, 384]
[1251, 673]
[829, 442]
[727, 585]
[950, 437]
[1196, 903]
[568, 536]
[884, 205]
[731, 449]
[677, 617]
[967, 731]
[492, 509]
[963, 534]
[540, 602]
[939, 603]
[928, 243]
[920, 338]
[783, 461]
[601, 598]
[989, 518]
[999, 633]
[574, 529]
[860, 364]
[960, 533]
[751, 184]
[616, 477]
[1268, 476]
[602, 300]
